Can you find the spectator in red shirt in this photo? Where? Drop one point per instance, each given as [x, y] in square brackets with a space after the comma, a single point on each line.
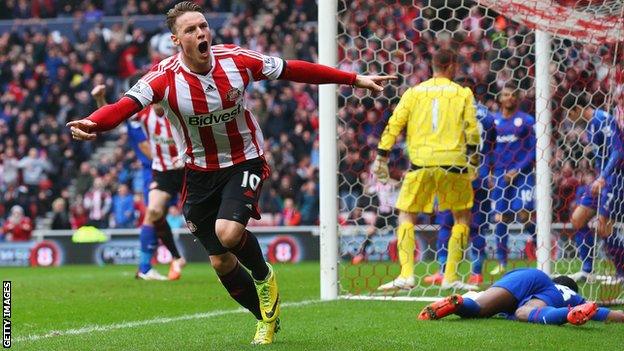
[17, 227]
[290, 215]
[79, 216]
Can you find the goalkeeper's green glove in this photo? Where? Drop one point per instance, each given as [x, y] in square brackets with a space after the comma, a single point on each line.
[380, 169]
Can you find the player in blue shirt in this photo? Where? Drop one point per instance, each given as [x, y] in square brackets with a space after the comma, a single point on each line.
[526, 295]
[139, 143]
[514, 177]
[600, 129]
[610, 187]
[480, 208]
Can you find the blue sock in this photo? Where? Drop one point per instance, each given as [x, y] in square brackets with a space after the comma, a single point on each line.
[585, 243]
[469, 309]
[501, 239]
[601, 315]
[549, 315]
[148, 246]
[442, 245]
[478, 251]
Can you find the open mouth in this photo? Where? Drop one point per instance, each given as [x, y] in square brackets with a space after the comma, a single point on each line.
[203, 47]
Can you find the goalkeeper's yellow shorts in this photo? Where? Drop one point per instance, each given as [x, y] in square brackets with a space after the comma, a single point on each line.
[420, 188]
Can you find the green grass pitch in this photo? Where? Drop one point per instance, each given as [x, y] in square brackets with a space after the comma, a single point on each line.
[105, 308]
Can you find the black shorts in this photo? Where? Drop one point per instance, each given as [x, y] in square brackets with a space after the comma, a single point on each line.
[231, 193]
[170, 182]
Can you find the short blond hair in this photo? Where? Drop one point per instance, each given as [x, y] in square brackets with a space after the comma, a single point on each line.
[180, 9]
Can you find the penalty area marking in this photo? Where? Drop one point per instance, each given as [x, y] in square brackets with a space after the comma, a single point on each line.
[159, 320]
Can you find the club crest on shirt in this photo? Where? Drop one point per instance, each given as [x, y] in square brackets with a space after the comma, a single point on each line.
[518, 121]
[233, 94]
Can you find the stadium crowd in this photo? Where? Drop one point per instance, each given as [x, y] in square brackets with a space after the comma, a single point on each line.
[47, 78]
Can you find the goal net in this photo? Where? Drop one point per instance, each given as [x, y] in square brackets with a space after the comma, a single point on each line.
[569, 82]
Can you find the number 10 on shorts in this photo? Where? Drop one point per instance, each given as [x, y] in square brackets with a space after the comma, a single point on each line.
[250, 180]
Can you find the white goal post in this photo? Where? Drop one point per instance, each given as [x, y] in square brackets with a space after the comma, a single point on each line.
[328, 172]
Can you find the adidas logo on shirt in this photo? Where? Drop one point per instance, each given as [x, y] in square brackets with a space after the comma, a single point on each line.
[210, 88]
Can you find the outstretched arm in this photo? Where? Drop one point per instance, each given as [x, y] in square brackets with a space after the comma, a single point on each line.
[103, 119]
[99, 94]
[313, 73]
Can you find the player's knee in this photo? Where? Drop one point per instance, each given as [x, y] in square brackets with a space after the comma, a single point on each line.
[522, 313]
[577, 222]
[462, 217]
[407, 217]
[229, 232]
[223, 264]
[580, 217]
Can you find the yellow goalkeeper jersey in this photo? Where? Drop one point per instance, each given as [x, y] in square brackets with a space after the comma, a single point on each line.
[441, 121]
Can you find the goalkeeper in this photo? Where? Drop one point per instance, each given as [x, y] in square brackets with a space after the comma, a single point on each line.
[442, 136]
[526, 295]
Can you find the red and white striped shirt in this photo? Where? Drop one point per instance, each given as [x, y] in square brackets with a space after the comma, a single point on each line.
[163, 140]
[208, 110]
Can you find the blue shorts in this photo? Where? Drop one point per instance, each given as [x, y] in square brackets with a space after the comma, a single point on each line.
[530, 283]
[515, 197]
[612, 198]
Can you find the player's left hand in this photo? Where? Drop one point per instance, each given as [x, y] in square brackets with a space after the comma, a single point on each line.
[510, 175]
[372, 83]
[380, 169]
[81, 129]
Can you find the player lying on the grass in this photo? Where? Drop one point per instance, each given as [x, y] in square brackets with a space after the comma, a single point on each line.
[527, 295]
[202, 89]
[162, 181]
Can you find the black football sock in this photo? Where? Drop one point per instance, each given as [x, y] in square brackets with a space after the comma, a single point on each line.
[163, 231]
[242, 289]
[250, 255]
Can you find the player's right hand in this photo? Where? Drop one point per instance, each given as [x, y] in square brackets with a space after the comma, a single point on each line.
[372, 83]
[81, 129]
[380, 169]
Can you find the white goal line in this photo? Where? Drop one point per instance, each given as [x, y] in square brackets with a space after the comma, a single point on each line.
[159, 320]
[389, 298]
